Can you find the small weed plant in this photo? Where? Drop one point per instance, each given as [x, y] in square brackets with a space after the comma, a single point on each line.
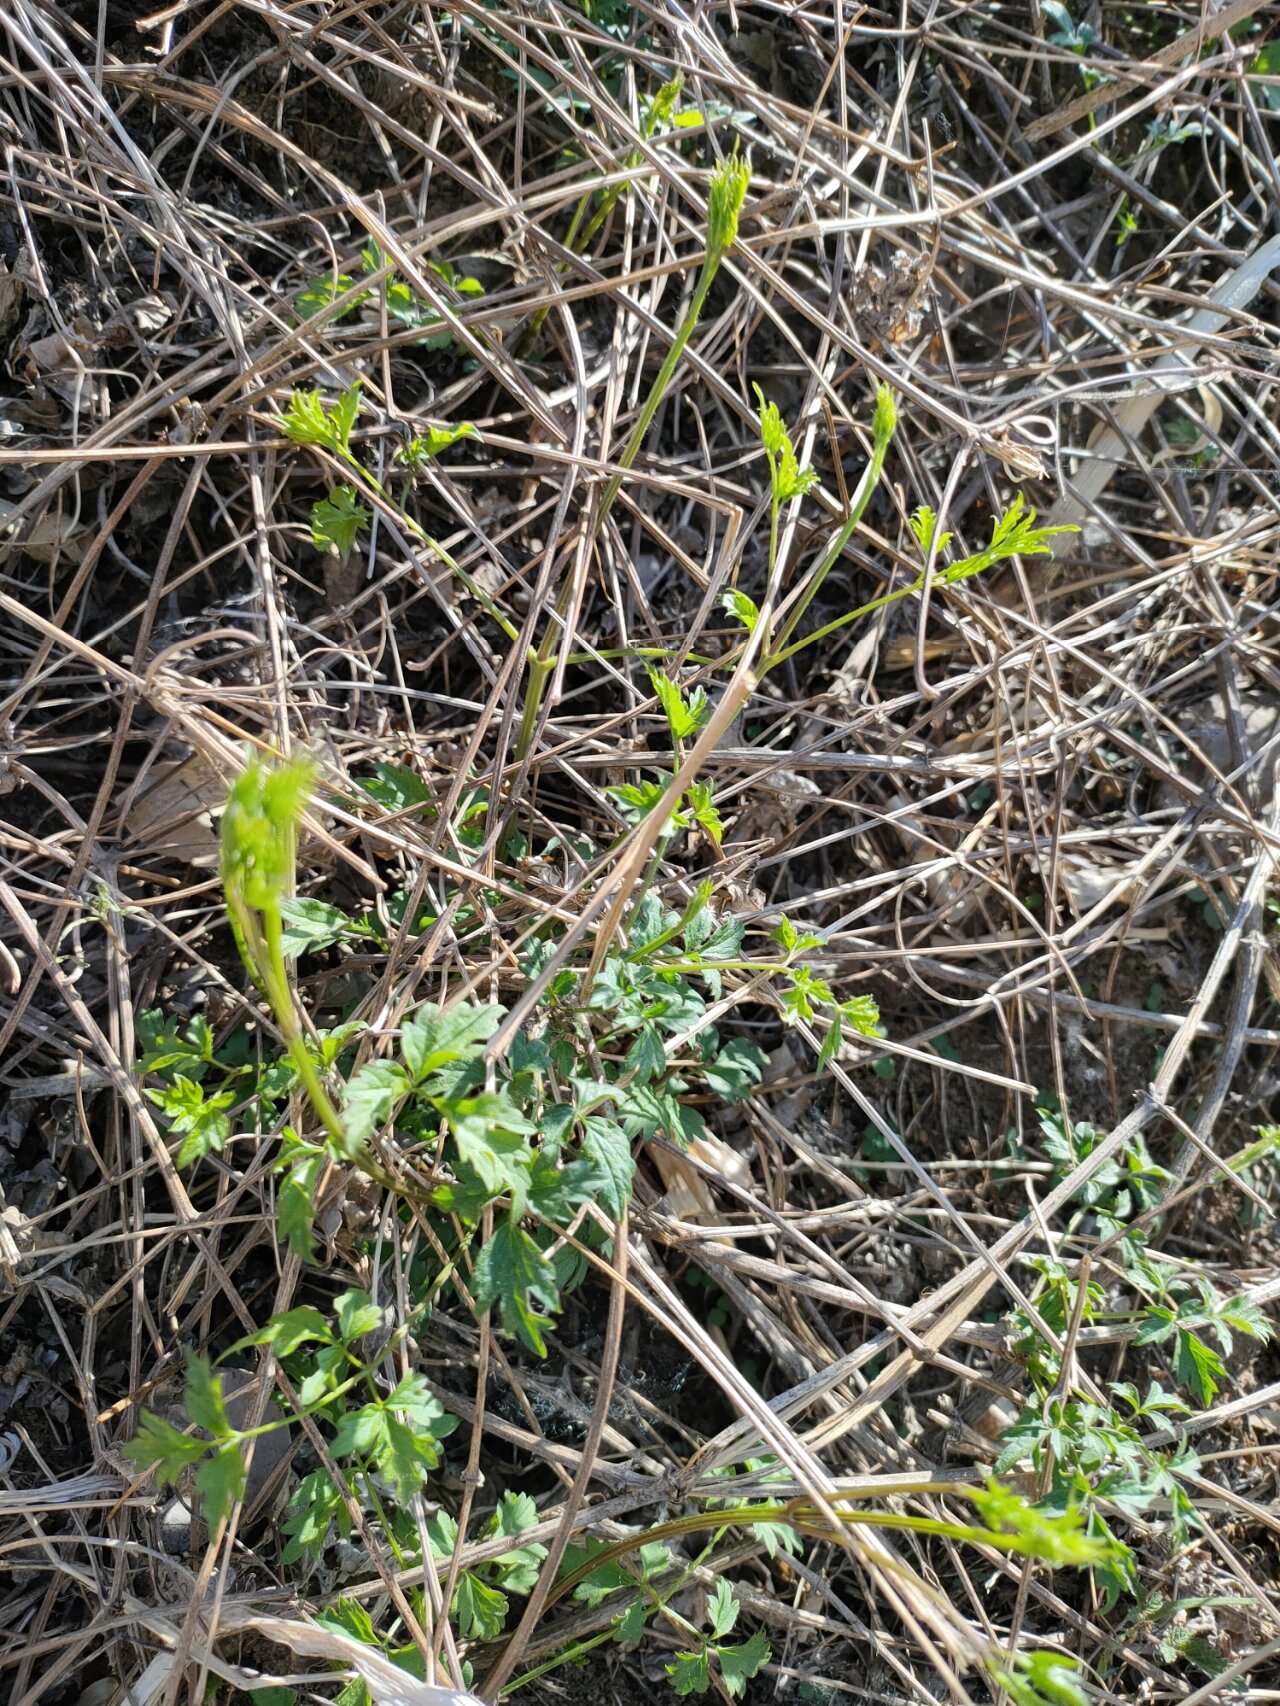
[1089, 1446]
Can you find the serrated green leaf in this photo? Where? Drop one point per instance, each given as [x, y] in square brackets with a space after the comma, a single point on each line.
[311, 925]
[736, 1070]
[406, 1458]
[1245, 1317]
[741, 608]
[396, 787]
[204, 1396]
[862, 1016]
[608, 1147]
[356, 1314]
[159, 1443]
[432, 1037]
[512, 1272]
[1184, 1644]
[296, 1200]
[1198, 1366]
[220, 1481]
[305, 421]
[628, 1630]
[739, 1664]
[685, 715]
[924, 523]
[1156, 1324]
[830, 1043]
[285, 1332]
[361, 1432]
[349, 1617]
[492, 1141]
[722, 1609]
[345, 413]
[691, 1673]
[314, 1506]
[336, 520]
[481, 1610]
[787, 478]
[646, 1059]
[372, 1094]
[703, 810]
[423, 446]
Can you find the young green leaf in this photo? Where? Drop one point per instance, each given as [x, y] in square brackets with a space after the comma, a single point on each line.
[481, 1610]
[736, 1069]
[691, 1672]
[205, 1402]
[606, 1145]
[685, 716]
[305, 421]
[722, 1609]
[432, 1038]
[296, 1198]
[787, 479]
[158, 1443]
[739, 1664]
[313, 925]
[1040, 1679]
[315, 1505]
[344, 415]
[703, 810]
[1198, 1366]
[422, 447]
[729, 183]
[356, 1314]
[336, 519]
[1012, 535]
[202, 1118]
[259, 823]
[285, 1332]
[741, 608]
[371, 1096]
[512, 1272]
[924, 524]
[220, 1481]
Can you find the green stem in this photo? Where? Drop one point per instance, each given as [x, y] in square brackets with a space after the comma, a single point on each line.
[710, 266]
[861, 498]
[775, 658]
[701, 896]
[570, 1655]
[728, 187]
[275, 981]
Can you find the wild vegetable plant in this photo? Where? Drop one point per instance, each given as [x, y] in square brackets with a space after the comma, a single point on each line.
[325, 294]
[533, 1155]
[641, 1576]
[1092, 1453]
[725, 198]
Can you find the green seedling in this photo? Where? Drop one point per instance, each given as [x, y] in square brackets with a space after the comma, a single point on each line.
[258, 840]
[724, 204]
[1190, 1310]
[659, 112]
[338, 295]
[387, 1437]
[734, 1664]
[727, 193]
